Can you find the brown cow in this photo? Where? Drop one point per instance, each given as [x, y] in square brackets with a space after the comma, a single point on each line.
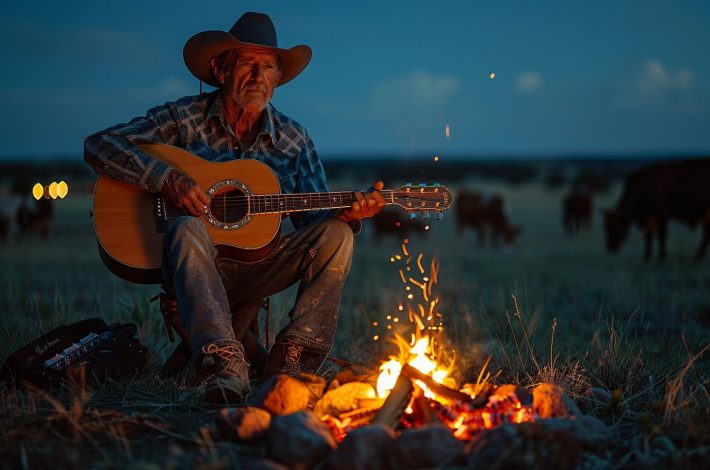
[657, 193]
[577, 210]
[396, 223]
[488, 217]
[35, 215]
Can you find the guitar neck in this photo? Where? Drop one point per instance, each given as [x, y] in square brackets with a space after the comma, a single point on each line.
[301, 202]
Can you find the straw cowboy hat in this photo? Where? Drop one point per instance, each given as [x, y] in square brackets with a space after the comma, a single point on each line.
[252, 29]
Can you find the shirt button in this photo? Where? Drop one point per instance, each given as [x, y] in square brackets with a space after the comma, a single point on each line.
[145, 186]
[105, 167]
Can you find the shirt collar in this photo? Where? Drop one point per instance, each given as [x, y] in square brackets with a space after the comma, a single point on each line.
[269, 124]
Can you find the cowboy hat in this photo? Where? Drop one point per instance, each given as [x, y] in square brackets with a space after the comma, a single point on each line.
[252, 29]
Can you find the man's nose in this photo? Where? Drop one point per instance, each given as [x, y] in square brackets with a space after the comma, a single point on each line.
[257, 71]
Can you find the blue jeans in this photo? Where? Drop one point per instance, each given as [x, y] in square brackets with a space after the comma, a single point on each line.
[208, 288]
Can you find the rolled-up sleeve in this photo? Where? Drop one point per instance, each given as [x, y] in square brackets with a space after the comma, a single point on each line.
[114, 152]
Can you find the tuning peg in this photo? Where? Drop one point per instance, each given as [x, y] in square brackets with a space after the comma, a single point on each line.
[439, 216]
[413, 215]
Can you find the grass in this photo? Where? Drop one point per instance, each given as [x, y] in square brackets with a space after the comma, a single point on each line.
[554, 310]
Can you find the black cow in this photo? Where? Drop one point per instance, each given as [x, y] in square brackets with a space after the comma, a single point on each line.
[487, 215]
[655, 194]
[396, 223]
[577, 210]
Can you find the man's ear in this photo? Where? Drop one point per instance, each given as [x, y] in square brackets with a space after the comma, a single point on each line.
[216, 70]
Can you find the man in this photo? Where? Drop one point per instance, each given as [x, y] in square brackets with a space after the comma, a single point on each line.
[237, 121]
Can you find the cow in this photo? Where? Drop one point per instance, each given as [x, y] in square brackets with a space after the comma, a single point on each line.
[35, 215]
[655, 194]
[487, 214]
[9, 206]
[577, 210]
[395, 223]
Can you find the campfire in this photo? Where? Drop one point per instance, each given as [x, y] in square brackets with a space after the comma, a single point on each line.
[415, 387]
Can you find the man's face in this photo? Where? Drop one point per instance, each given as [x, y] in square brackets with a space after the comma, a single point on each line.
[252, 77]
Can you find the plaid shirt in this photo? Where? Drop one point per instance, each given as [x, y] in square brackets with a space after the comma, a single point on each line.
[196, 124]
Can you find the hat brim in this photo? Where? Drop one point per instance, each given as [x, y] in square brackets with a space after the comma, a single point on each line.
[202, 47]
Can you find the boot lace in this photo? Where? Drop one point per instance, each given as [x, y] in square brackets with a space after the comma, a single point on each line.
[229, 355]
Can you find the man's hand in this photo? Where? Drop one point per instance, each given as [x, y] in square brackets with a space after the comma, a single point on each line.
[185, 194]
[366, 204]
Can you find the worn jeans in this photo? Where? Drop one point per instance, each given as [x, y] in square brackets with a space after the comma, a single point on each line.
[208, 288]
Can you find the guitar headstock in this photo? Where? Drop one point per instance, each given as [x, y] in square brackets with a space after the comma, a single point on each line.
[422, 198]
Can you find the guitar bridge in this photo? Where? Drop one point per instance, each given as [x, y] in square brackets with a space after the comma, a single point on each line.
[161, 215]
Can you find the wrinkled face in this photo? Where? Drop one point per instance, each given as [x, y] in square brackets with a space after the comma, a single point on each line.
[616, 227]
[249, 76]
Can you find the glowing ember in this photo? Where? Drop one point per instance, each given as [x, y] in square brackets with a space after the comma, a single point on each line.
[492, 76]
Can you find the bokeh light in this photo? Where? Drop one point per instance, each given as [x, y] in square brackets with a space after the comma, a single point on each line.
[52, 190]
[62, 189]
[38, 191]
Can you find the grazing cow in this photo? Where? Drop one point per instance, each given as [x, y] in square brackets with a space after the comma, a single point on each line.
[577, 210]
[35, 215]
[652, 195]
[488, 217]
[9, 205]
[396, 223]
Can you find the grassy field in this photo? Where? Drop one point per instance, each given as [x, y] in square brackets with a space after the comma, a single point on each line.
[583, 319]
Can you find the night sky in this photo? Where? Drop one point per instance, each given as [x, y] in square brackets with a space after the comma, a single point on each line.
[595, 78]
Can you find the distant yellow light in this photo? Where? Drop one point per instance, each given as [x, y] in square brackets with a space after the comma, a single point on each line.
[436, 158]
[38, 191]
[62, 189]
[447, 131]
[53, 190]
[426, 227]
[376, 337]
[492, 76]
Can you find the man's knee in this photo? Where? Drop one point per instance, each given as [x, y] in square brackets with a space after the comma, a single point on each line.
[338, 233]
[188, 233]
[186, 227]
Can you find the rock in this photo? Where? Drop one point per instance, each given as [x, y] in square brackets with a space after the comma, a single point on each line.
[243, 424]
[571, 405]
[362, 449]
[595, 398]
[353, 373]
[282, 395]
[429, 446]
[524, 397]
[526, 445]
[315, 385]
[343, 398]
[299, 440]
[592, 433]
[548, 401]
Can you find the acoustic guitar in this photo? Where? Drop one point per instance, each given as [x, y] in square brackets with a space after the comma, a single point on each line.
[243, 217]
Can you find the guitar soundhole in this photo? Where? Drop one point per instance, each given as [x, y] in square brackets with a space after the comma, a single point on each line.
[229, 205]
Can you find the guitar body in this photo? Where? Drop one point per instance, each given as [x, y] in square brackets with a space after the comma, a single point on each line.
[130, 229]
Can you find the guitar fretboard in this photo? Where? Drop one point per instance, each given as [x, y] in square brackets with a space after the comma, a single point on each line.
[277, 203]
